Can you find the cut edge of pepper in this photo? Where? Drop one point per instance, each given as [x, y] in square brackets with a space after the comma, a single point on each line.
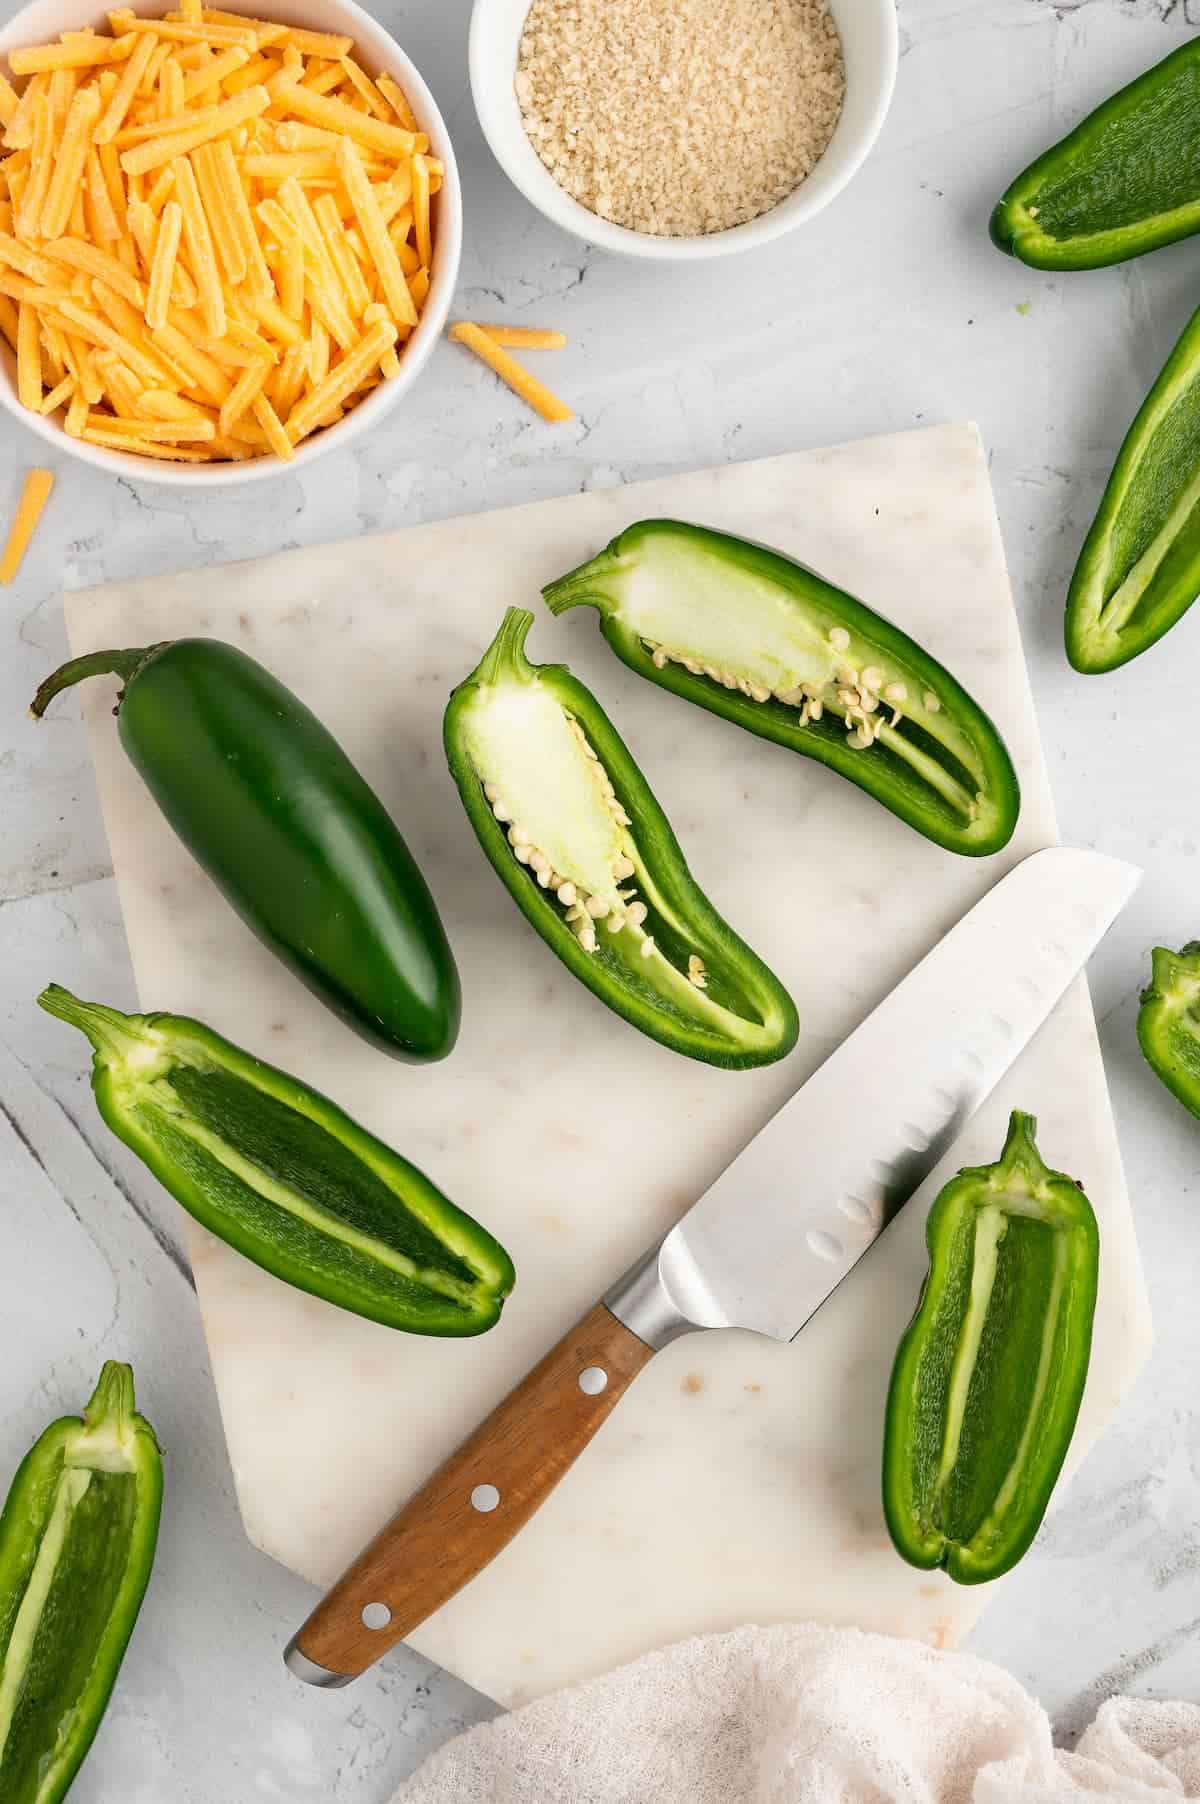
[1166, 968]
[1173, 988]
[1013, 229]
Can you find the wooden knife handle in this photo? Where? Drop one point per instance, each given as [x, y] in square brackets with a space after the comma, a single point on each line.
[474, 1504]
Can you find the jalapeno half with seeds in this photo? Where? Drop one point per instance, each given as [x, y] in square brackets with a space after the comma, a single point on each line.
[757, 638]
[570, 824]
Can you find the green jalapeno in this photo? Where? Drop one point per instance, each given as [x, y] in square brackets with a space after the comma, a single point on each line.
[1168, 1025]
[267, 802]
[752, 636]
[1126, 180]
[989, 1375]
[1139, 570]
[570, 825]
[287, 1177]
[77, 1540]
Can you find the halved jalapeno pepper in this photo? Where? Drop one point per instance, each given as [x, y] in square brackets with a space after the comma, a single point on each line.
[1126, 180]
[77, 1539]
[569, 822]
[1139, 570]
[753, 636]
[990, 1373]
[1168, 1024]
[278, 1171]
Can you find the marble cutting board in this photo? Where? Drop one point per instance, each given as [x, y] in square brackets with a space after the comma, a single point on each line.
[738, 1480]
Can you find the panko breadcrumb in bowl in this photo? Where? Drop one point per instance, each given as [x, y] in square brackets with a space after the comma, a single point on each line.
[679, 117]
[682, 129]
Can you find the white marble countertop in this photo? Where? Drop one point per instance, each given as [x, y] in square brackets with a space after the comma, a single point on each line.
[889, 310]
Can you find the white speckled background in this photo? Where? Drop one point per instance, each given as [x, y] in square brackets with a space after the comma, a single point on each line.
[890, 310]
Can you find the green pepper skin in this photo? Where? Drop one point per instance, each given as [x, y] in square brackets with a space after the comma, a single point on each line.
[1168, 1024]
[989, 1375]
[1139, 570]
[1125, 181]
[269, 805]
[281, 1173]
[976, 811]
[77, 1540]
[754, 1022]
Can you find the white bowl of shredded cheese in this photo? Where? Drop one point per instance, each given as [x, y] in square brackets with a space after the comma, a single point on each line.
[40, 23]
[681, 129]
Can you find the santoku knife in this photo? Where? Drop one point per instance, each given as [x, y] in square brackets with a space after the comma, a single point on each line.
[763, 1247]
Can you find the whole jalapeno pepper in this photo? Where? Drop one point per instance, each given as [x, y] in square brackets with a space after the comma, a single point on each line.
[270, 806]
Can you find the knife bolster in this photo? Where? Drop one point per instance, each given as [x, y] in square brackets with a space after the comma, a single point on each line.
[643, 1301]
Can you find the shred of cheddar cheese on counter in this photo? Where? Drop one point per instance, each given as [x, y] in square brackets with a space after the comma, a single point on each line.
[34, 497]
[490, 343]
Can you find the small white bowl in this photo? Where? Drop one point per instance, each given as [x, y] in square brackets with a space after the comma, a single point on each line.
[869, 41]
[43, 20]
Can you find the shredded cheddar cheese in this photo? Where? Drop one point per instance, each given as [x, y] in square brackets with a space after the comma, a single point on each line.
[486, 345]
[525, 338]
[34, 497]
[216, 232]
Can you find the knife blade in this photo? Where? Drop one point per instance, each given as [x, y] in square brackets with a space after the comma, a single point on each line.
[762, 1248]
[830, 1169]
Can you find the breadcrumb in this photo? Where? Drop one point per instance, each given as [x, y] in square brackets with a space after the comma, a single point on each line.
[680, 117]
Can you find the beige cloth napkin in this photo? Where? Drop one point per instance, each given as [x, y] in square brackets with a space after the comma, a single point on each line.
[810, 1715]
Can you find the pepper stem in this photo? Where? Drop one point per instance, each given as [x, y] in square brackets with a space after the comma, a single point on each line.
[106, 1441]
[1020, 1151]
[124, 664]
[114, 1035]
[505, 657]
[111, 1406]
[582, 587]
